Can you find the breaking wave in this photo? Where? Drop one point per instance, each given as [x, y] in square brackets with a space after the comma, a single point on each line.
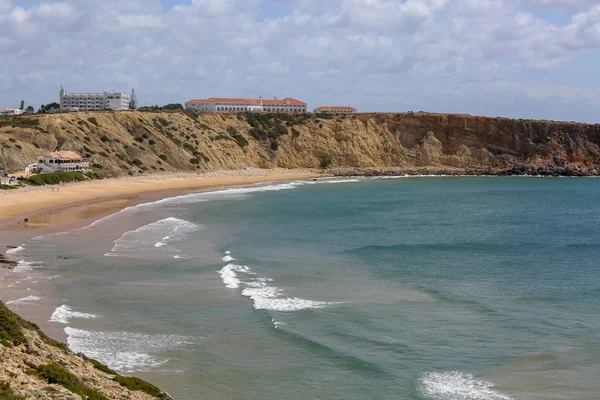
[15, 250]
[157, 234]
[25, 266]
[454, 385]
[263, 295]
[63, 314]
[24, 300]
[123, 351]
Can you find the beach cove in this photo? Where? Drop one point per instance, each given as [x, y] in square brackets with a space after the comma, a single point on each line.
[411, 287]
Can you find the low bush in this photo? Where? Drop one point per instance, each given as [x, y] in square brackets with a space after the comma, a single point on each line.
[56, 178]
[325, 162]
[105, 139]
[163, 157]
[8, 187]
[134, 383]
[93, 120]
[151, 142]
[11, 329]
[139, 139]
[53, 373]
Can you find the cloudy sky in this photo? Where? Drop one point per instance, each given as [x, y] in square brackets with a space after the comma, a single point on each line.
[513, 58]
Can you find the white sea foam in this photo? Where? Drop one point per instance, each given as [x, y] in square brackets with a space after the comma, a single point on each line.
[264, 296]
[64, 313]
[230, 277]
[152, 235]
[19, 281]
[24, 300]
[342, 181]
[454, 385]
[228, 258]
[277, 324]
[24, 266]
[123, 351]
[15, 250]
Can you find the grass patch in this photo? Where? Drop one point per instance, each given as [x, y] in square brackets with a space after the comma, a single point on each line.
[325, 162]
[8, 187]
[56, 178]
[134, 383]
[21, 122]
[53, 373]
[6, 343]
[6, 393]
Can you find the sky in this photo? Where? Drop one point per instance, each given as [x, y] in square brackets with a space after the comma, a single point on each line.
[508, 58]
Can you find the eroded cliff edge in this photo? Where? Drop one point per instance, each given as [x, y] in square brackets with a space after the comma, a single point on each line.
[120, 143]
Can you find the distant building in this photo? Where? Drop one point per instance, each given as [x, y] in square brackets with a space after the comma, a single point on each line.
[219, 104]
[335, 110]
[61, 161]
[11, 111]
[93, 101]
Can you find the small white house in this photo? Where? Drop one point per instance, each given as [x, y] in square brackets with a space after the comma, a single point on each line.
[11, 111]
[61, 161]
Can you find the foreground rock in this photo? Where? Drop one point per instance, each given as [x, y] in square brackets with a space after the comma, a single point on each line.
[33, 366]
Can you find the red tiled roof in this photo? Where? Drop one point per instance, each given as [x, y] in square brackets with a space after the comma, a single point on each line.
[335, 108]
[64, 155]
[245, 101]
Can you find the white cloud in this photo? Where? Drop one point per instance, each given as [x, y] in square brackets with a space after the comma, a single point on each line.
[341, 49]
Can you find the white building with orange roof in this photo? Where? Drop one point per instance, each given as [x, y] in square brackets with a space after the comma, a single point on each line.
[61, 161]
[335, 110]
[222, 104]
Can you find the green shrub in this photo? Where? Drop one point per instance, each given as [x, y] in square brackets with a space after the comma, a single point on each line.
[151, 142]
[163, 122]
[103, 154]
[325, 162]
[163, 157]
[93, 120]
[194, 161]
[6, 393]
[97, 166]
[8, 187]
[189, 147]
[139, 139]
[56, 178]
[12, 140]
[53, 373]
[134, 383]
[105, 138]
[6, 343]
[18, 146]
[138, 162]
[37, 146]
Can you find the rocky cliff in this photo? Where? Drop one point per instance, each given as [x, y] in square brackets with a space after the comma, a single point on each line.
[133, 143]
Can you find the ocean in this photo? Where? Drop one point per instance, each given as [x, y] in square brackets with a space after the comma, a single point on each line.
[465, 288]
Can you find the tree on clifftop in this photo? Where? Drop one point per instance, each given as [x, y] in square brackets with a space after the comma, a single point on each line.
[22, 105]
[133, 103]
[29, 110]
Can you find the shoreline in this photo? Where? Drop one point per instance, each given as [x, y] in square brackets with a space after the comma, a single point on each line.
[66, 215]
[83, 202]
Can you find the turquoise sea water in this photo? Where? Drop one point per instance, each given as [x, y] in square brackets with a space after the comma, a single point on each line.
[411, 288]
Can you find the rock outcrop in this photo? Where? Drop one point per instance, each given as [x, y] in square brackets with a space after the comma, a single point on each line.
[133, 143]
[33, 366]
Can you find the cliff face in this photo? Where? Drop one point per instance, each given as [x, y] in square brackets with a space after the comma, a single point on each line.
[134, 143]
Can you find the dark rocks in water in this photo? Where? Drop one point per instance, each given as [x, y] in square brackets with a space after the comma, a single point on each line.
[6, 263]
[518, 170]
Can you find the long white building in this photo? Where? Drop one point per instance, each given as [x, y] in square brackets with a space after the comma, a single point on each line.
[223, 104]
[93, 101]
[60, 161]
[11, 111]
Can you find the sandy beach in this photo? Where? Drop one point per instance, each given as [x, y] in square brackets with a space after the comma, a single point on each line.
[36, 210]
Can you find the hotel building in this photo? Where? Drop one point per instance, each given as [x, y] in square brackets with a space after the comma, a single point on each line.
[335, 110]
[218, 104]
[61, 161]
[93, 101]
